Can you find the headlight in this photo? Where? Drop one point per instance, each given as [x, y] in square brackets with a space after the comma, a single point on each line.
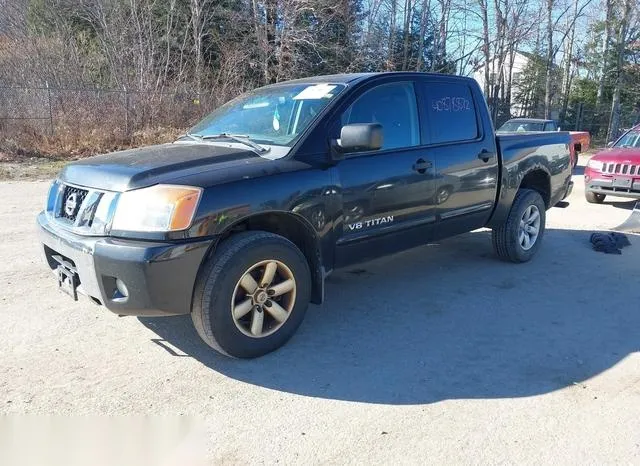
[594, 164]
[157, 208]
[52, 195]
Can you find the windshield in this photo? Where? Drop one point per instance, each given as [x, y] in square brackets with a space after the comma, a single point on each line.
[631, 139]
[520, 126]
[272, 115]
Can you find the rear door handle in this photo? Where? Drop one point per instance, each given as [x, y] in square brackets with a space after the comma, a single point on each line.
[485, 155]
[421, 166]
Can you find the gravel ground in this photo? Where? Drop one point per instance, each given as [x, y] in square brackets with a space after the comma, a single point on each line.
[439, 355]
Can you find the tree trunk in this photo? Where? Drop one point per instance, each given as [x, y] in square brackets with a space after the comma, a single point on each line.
[550, 55]
[426, 4]
[485, 46]
[614, 124]
[443, 32]
[270, 72]
[512, 57]
[567, 74]
[392, 36]
[604, 69]
[196, 28]
[499, 59]
[407, 33]
[260, 38]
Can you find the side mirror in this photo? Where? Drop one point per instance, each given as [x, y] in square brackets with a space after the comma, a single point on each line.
[559, 129]
[359, 137]
[610, 143]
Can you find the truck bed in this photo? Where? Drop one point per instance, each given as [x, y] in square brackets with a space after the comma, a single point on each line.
[523, 152]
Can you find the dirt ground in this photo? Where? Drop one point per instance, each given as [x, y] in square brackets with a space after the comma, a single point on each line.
[439, 355]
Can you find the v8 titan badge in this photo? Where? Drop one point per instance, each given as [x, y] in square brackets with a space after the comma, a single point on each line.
[370, 223]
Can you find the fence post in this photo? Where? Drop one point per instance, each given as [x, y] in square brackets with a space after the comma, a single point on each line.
[50, 108]
[126, 111]
[579, 116]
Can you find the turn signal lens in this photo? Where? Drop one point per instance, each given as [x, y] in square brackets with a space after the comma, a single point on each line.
[157, 208]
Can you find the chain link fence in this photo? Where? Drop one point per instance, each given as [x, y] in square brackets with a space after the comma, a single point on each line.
[48, 111]
[73, 116]
[583, 117]
[580, 117]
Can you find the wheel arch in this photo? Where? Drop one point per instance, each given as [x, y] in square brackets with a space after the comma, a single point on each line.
[538, 180]
[291, 226]
[536, 177]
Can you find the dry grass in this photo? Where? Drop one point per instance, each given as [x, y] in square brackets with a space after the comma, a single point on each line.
[70, 144]
[28, 154]
[39, 169]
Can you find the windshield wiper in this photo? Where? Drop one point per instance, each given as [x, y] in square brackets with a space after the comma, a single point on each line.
[195, 137]
[241, 138]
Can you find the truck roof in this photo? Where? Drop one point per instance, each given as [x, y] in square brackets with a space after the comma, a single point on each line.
[350, 78]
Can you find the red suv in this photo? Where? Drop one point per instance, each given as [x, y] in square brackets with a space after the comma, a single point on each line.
[615, 170]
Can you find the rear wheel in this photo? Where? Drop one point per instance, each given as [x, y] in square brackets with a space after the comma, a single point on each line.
[519, 238]
[594, 198]
[251, 296]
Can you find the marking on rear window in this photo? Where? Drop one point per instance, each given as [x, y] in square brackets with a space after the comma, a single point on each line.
[451, 104]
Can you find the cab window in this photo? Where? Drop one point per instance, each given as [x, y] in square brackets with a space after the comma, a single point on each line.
[394, 107]
[452, 113]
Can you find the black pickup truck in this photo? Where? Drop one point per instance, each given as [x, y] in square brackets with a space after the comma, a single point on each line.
[239, 222]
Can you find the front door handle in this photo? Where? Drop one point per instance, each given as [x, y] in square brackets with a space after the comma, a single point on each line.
[421, 166]
[485, 155]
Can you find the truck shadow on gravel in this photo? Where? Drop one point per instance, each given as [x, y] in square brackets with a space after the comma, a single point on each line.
[448, 321]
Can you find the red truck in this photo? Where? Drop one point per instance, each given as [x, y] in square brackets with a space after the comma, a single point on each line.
[615, 170]
[580, 140]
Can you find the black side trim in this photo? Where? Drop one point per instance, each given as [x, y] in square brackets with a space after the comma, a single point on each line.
[466, 210]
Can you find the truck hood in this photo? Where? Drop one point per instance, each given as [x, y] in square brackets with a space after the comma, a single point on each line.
[628, 155]
[146, 166]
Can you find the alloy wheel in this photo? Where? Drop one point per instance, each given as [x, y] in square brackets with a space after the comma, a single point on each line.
[263, 298]
[529, 227]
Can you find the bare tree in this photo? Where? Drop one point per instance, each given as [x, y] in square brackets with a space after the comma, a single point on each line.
[198, 10]
[408, 12]
[392, 34]
[484, 14]
[424, 16]
[604, 68]
[621, 42]
[567, 75]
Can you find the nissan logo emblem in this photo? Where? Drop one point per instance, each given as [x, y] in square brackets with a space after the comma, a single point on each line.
[70, 204]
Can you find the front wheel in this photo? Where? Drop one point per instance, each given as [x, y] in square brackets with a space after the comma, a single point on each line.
[251, 296]
[594, 198]
[519, 238]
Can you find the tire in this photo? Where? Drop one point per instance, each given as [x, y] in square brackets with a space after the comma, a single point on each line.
[507, 238]
[218, 293]
[594, 198]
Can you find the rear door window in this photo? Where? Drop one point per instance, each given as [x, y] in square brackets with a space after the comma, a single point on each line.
[452, 113]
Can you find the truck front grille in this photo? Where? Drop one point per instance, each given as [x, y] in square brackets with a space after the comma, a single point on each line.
[72, 200]
[621, 169]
